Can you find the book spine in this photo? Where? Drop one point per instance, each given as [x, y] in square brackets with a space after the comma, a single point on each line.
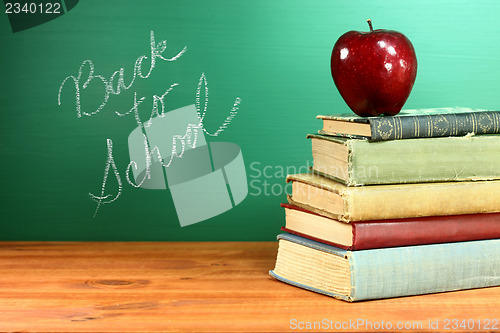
[424, 160]
[383, 202]
[431, 230]
[427, 126]
[415, 270]
[426, 199]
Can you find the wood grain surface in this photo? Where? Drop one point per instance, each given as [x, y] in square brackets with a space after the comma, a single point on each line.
[199, 287]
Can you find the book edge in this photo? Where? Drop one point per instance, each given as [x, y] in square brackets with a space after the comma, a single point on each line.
[314, 245]
[319, 240]
[319, 291]
[317, 210]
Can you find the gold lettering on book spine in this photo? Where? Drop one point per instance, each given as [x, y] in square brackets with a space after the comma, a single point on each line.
[485, 123]
[466, 120]
[474, 123]
[454, 125]
[385, 128]
[441, 126]
[400, 128]
[429, 126]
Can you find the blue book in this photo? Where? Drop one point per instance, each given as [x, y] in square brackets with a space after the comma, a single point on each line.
[388, 272]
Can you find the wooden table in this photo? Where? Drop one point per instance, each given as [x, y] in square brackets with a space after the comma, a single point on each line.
[205, 287]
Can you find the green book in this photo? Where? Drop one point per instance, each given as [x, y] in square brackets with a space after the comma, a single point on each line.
[356, 162]
[422, 123]
[389, 272]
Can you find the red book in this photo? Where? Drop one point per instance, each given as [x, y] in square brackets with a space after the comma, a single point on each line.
[362, 235]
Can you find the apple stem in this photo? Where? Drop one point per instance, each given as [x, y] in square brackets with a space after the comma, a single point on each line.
[370, 24]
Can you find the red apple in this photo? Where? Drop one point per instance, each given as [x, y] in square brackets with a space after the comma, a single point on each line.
[374, 71]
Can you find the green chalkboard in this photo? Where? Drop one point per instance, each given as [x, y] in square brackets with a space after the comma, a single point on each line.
[78, 88]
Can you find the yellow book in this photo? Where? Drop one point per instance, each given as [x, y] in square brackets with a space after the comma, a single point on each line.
[333, 199]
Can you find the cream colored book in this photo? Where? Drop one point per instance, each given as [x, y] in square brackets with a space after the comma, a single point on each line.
[377, 202]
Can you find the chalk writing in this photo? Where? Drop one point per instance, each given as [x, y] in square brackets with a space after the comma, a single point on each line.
[188, 139]
[110, 163]
[232, 113]
[114, 86]
[156, 53]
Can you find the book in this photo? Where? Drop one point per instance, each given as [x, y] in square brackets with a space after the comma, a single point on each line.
[385, 273]
[362, 235]
[423, 123]
[356, 162]
[330, 198]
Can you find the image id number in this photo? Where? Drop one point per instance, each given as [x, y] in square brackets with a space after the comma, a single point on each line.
[32, 8]
[470, 324]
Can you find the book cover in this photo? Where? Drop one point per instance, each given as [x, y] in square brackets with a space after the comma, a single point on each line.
[358, 162]
[386, 273]
[423, 123]
[380, 202]
[393, 232]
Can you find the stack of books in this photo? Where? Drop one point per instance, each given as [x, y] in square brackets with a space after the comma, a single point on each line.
[396, 206]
